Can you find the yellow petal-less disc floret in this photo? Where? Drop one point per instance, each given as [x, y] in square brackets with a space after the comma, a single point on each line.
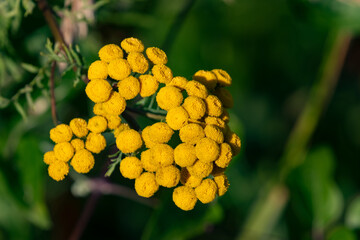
[179, 82]
[98, 70]
[61, 133]
[225, 97]
[207, 78]
[184, 197]
[131, 167]
[222, 184]
[64, 151]
[122, 127]
[145, 134]
[206, 191]
[195, 107]
[191, 133]
[194, 88]
[169, 97]
[95, 142]
[115, 105]
[83, 161]
[132, 45]
[98, 109]
[189, 180]
[225, 155]
[146, 185]
[58, 170]
[200, 169]
[156, 55]
[223, 77]
[207, 150]
[184, 155]
[113, 121]
[177, 117]
[119, 69]
[214, 132]
[162, 73]
[129, 88]
[97, 124]
[110, 52]
[148, 164]
[129, 141]
[160, 132]
[98, 90]
[148, 85]
[49, 157]
[216, 121]
[213, 106]
[168, 176]
[234, 141]
[138, 62]
[162, 154]
[77, 144]
[79, 127]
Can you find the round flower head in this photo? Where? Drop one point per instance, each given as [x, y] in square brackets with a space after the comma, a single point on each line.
[115, 105]
[189, 180]
[217, 170]
[97, 124]
[132, 45]
[234, 141]
[195, 107]
[98, 90]
[156, 55]
[223, 77]
[216, 121]
[222, 184]
[160, 132]
[98, 70]
[77, 144]
[194, 88]
[95, 142]
[49, 157]
[206, 191]
[147, 162]
[225, 97]
[162, 73]
[213, 106]
[200, 169]
[145, 134]
[79, 127]
[98, 109]
[113, 121]
[110, 52]
[131, 167]
[179, 82]
[213, 132]
[168, 176]
[225, 156]
[83, 161]
[177, 118]
[61, 133]
[191, 133]
[162, 154]
[184, 197]
[64, 151]
[169, 97]
[129, 88]
[146, 185]
[184, 155]
[148, 85]
[58, 170]
[122, 127]
[207, 78]
[207, 150]
[225, 116]
[138, 62]
[129, 141]
[119, 69]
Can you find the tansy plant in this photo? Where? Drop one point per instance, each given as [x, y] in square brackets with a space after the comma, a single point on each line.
[194, 110]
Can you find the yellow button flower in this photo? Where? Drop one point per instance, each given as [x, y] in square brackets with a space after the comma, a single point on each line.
[129, 141]
[225, 97]
[223, 77]
[217, 170]
[122, 127]
[225, 116]
[58, 170]
[194, 88]
[213, 106]
[214, 132]
[110, 52]
[98, 70]
[177, 117]
[98, 109]
[195, 107]
[61, 133]
[83, 161]
[207, 78]
[200, 169]
[162, 73]
[138, 62]
[169, 97]
[225, 155]
[184, 155]
[189, 180]
[145, 134]
[160, 132]
[206, 191]
[156, 55]
[97, 124]
[147, 162]
[216, 121]
[119, 69]
[146, 185]
[184, 197]
[132, 45]
[207, 150]
[113, 121]
[129, 88]
[131, 167]
[162, 154]
[191, 133]
[234, 141]
[222, 184]
[49, 157]
[79, 127]
[64, 151]
[179, 82]
[115, 105]
[168, 176]
[148, 85]
[98, 90]
[77, 144]
[95, 142]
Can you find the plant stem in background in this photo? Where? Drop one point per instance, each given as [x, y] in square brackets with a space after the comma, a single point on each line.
[272, 200]
[52, 93]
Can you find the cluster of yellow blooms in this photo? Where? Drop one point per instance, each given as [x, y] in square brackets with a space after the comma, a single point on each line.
[195, 110]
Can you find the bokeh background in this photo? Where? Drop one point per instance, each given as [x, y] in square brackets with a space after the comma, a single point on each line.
[295, 65]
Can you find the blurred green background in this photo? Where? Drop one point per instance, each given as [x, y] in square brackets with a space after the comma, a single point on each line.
[283, 56]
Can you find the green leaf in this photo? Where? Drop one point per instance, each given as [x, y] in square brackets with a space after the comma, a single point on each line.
[29, 6]
[29, 67]
[352, 216]
[4, 102]
[20, 109]
[341, 233]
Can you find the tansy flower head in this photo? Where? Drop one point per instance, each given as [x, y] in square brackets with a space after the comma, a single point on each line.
[195, 107]
[113, 121]
[49, 157]
[191, 133]
[207, 150]
[223, 77]
[119, 69]
[162, 73]
[179, 82]
[207, 78]
[222, 184]
[206, 191]
[64, 151]
[216, 121]
[148, 164]
[194, 88]
[145, 134]
[160, 132]
[132, 45]
[184, 197]
[110, 52]
[156, 55]
[169, 97]
[168, 176]
[77, 144]
[217, 170]
[225, 116]
[213, 132]
[200, 169]
[225, 97]
[61, 133]
[98, 90]
[95, 142]
[162, 154]
[131, 167]
[225, 155]
[115, 105]
[58, 170]
[234, 141]
[79, 127]
[146, 185]
[138, 62]
[98, 70]
[177, 117]
[129, 141]
[213, 106]
[98, 109]
[184, 155]
[189, 180]
[97, 124]
[148, 85]
[129, 88]
[122, 127]
[83, 161]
